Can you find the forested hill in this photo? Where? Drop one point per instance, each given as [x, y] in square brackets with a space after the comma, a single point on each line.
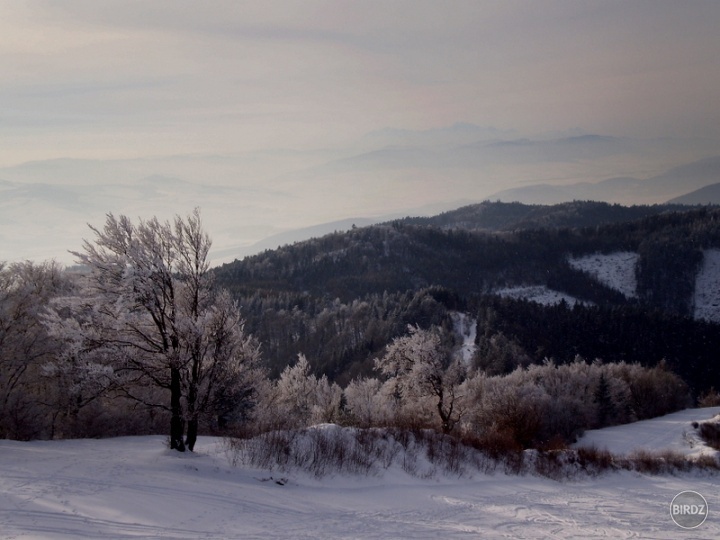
[498, 216]
[341, 298]
[477, 249]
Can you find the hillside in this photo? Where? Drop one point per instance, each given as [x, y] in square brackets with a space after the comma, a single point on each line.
[509, 216]
[673, 432]
[705, 195]
[340, 299]
[133, 487]
[456, 249]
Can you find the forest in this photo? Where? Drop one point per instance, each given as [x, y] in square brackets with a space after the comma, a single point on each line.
[362, 328]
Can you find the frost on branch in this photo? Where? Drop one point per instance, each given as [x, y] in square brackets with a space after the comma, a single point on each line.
[148, 309]
[419, 368]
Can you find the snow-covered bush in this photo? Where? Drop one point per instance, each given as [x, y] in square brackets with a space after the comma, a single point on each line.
[298, 399]
[530, 407]
[365, 404]
[328, 449]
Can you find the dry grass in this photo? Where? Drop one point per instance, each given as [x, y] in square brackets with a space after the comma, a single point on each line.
[330, 450]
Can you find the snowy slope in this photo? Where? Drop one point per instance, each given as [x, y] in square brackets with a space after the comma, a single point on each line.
[672, 432]
[537, 293]
[134, 488]
[615, 270]
[707, 287]
[465, 328]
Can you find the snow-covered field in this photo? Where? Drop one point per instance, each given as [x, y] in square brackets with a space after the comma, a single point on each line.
[133, 487]
[615, 270]
[537, 293]
[672, 432]
[707, 287]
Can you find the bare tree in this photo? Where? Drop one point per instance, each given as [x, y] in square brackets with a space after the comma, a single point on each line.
[150, 311]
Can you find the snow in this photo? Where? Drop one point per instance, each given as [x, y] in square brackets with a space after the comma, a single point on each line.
[615, 270]
[465, 327]
[539, 294]
[133, 487]
[671, 432]
[707, 287]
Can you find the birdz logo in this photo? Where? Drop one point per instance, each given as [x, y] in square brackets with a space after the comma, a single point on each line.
[688, 509]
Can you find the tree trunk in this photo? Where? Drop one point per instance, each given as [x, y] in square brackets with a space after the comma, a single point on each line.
[192, 431]
[177, 424]
[192, 414]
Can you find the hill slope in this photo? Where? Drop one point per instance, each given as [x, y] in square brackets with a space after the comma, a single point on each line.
[134, 488]
[672, 432]
[342, 298]
[706, 195]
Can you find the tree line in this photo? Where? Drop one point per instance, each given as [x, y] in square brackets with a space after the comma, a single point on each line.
[145, 338]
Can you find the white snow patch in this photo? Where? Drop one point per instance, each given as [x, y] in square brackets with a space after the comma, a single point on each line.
[539, 294]
[707, 287]
[670, 432]
[465, 327]
[615, 270]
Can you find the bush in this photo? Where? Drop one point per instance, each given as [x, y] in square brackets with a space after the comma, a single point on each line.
[593, 460]
[710, 433]
[326, 450]
[711, 398]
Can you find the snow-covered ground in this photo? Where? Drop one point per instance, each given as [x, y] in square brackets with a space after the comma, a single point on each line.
[672, 432]
[133, 487]
[466, 328]
[615, 270]
[537, 293]
[707, 287]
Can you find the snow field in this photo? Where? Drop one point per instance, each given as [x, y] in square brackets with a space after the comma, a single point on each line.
[707, 287]
[537, 293]
[133, 487]
[673, 432]
[615, 270]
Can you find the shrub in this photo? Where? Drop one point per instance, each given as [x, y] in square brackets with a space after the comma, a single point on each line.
[710, 433]
[710, 398]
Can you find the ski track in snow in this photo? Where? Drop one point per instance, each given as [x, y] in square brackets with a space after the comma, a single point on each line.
[132, 487]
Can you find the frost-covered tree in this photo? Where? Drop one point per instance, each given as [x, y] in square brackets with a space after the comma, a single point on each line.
[420, 367]
[149, 311]
[364, 402]
[299, 398]
[25, 290]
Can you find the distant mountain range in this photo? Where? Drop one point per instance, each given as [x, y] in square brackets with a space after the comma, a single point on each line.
[706, 195]
[686, 184]
[258, 200]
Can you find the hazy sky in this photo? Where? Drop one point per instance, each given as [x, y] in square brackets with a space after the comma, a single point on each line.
[134, 78]
[108, 80]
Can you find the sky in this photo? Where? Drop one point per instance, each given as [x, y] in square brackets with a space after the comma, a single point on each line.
[278, 88]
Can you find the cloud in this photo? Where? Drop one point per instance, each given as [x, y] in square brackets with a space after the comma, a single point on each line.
[226, 74]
